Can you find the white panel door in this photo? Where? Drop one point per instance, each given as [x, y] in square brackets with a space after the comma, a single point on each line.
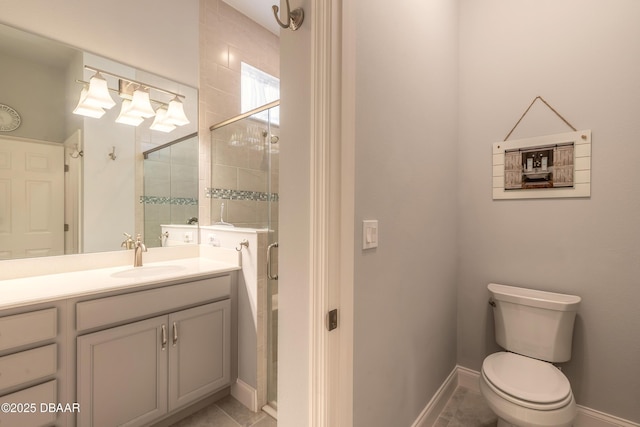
[31, 199]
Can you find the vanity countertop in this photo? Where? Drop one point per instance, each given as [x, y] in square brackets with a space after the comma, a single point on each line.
[51, 287]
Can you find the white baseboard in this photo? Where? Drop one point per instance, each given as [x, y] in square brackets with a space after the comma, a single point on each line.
[245, 394]
[470, 379]
[588, 417]
[430, 413]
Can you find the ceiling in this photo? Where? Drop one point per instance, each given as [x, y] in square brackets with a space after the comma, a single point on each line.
[258, 10]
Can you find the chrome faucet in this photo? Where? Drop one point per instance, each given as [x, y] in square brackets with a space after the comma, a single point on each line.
[139, 247]
[128, 243]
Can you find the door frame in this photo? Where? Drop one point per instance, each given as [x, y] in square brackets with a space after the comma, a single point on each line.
[332, 209]
[316, 253]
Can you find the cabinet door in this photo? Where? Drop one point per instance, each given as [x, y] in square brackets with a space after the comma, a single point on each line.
[122, 374]
[199, 354]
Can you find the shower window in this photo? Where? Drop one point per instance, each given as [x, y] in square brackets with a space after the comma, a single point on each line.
[257, 89]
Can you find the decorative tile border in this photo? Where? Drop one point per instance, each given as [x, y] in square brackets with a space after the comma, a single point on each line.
[258, 196]
[162, 200]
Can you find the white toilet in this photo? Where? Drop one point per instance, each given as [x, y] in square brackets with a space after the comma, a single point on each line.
[521, 385]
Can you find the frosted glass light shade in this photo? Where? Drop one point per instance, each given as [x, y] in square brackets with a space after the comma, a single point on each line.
[87, 110]
[175, 113]
[141, 104]
[159, 122]
[125, 117]
[98, 93]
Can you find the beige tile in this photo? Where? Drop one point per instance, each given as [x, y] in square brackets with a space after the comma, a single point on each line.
[225, 177]
[209, 416]
[473, 411]
[238, 412]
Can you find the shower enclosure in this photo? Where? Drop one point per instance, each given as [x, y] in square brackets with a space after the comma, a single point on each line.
[244, 193]
[170, 186]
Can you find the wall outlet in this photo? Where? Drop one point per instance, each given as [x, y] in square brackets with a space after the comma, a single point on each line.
[211, 238]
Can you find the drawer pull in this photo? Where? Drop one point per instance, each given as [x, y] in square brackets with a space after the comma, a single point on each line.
[175, 334]
[164, 337]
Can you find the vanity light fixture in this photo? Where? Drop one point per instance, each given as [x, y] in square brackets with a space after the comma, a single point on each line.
[159, 123]
[125, 117]
[98, 93]
[84, 109]
[136, 102]
[141, 104]
[175, 113]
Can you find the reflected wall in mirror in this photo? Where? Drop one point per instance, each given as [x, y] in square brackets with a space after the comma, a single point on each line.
[170, 189]
[68, 183]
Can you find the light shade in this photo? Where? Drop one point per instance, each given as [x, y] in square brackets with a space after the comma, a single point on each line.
[141, 104]
[87, 110]
[125, 117]
[98, 93]
[175, 113]
[159, 122]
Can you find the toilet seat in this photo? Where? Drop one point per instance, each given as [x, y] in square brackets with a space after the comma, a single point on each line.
[527, 382]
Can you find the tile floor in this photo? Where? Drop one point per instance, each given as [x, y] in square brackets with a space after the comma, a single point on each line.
[227, 412]
[466, 408]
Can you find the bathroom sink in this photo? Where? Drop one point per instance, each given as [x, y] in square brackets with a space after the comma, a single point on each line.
[146, 271]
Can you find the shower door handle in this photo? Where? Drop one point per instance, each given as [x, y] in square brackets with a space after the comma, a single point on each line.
[269, 249]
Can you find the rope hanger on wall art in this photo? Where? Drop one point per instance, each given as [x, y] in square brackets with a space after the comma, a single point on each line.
[527, 110]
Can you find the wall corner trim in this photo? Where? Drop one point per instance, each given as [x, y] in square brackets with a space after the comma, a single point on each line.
[245, 394]
[430, 413]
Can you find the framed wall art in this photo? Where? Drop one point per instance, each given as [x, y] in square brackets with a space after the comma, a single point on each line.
[548, 166]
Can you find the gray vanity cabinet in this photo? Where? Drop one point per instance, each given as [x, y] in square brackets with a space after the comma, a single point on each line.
[199, 355]
[135, 374]
[28, 368]
[122, 375]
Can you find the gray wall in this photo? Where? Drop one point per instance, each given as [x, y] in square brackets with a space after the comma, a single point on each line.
[160, 36]
[37, 92]
[405, 176]
[582, 57]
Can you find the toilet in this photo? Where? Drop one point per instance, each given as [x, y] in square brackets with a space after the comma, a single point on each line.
[521, 385]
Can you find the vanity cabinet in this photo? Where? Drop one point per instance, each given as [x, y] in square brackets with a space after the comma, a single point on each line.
[134, 374]
[28, 367]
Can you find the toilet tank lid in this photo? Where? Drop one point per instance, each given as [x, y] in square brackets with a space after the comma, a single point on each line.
[534, 298]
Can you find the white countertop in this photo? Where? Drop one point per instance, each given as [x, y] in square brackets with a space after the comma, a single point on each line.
[52, 287]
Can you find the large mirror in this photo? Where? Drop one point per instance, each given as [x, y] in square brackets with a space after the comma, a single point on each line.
[71, 183]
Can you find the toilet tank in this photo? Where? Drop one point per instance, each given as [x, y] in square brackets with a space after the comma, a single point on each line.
[534, 323]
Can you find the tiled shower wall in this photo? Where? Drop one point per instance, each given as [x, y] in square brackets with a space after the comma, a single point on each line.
[227, 38]
[170, 180]
[245, 174]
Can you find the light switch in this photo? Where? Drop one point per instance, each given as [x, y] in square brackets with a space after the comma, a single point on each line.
[369, 233]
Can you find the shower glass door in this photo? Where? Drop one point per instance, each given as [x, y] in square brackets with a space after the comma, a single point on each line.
[244, 193]
[272, 144]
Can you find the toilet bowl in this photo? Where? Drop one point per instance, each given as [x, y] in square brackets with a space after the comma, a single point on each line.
[521, 385]
[526, 392]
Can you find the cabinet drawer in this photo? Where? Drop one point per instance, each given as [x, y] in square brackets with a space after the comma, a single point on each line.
[120, 308]
[43, 393]
[28, 328]
[30, 365]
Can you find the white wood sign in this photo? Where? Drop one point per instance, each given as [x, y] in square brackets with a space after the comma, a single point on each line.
[548, 166]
